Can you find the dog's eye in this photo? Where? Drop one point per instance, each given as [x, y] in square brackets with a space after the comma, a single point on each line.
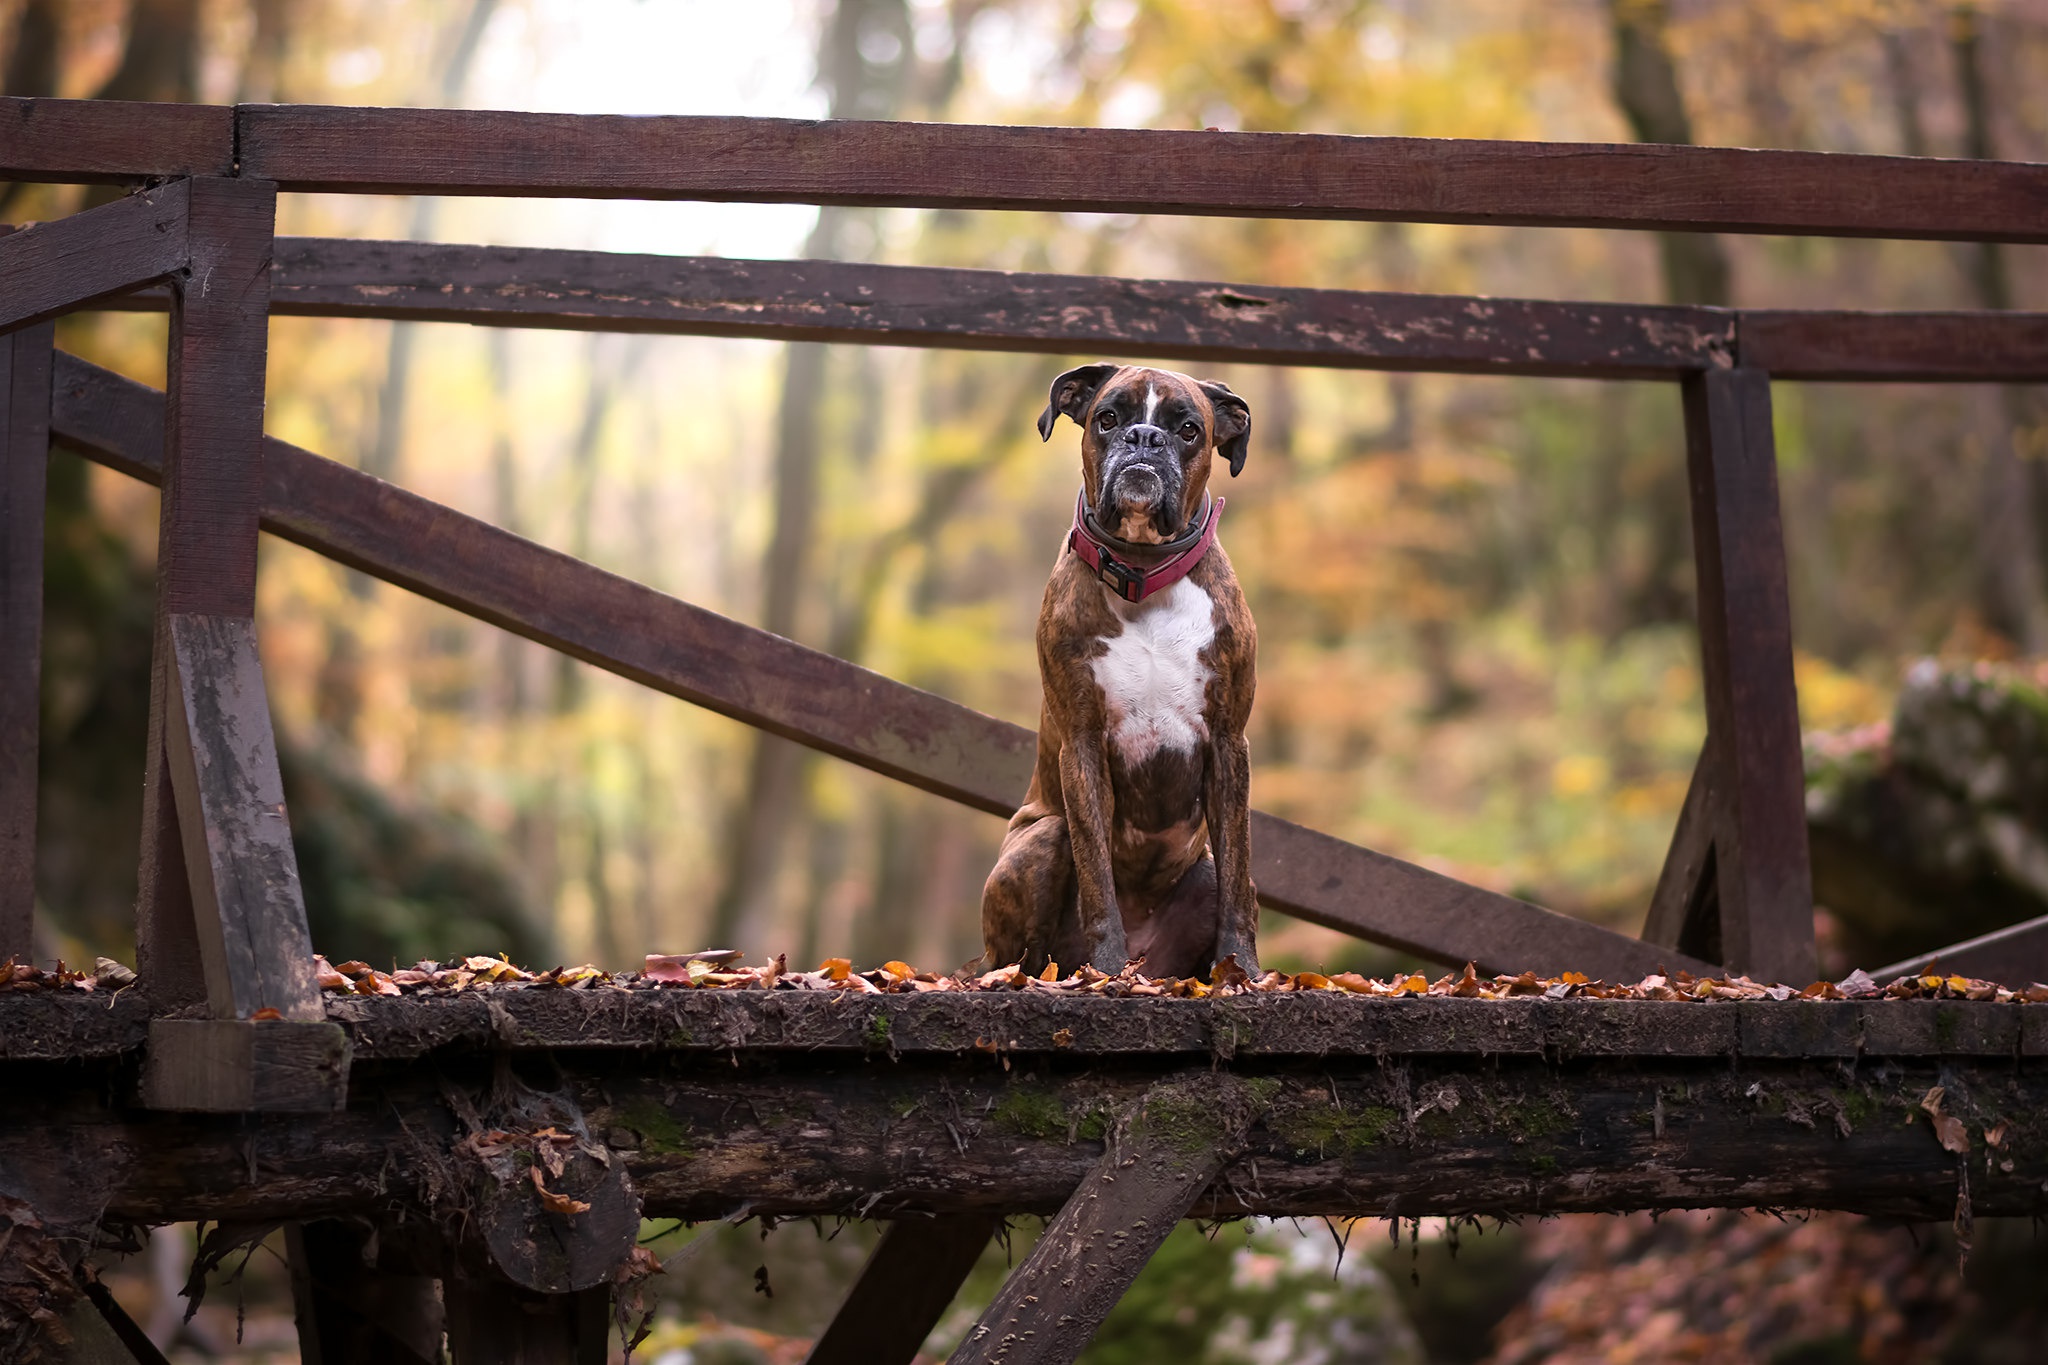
[1106, 420]
[1189, 431]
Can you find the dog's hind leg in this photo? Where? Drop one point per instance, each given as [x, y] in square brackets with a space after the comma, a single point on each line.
[1023, 900]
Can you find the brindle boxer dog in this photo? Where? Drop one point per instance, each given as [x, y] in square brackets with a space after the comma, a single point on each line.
[1132, 842]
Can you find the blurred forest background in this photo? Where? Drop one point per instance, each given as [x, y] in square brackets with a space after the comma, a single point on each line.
[1475, 595]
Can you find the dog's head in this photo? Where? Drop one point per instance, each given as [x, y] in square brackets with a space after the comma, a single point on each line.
[1146, 440]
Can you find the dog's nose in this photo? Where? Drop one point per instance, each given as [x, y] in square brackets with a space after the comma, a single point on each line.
[1146, 437]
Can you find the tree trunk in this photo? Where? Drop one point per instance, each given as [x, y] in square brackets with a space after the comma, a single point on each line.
[2010, 571]
[773, 804]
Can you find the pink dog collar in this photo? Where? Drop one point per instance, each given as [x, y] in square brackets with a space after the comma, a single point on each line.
[1129, 581]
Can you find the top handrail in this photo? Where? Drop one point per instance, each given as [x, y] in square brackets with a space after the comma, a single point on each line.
[971, 166]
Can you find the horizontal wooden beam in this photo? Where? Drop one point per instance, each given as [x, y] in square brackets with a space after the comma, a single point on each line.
[788, 1130]
[1166, 319]
[1288, 175]
[1282, 175]
[991, 310]
[2016, 955]
[55, 267]
[802, 694]
[51, 1026]
[113, 141]
[1951, 347]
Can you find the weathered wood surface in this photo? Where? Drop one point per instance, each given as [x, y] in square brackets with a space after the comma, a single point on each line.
[1283, 175]
[235, 1066]
[904, 1289]
[491, 1323]
[55, 267]
[113, 141]
[1763, 881]
[1157, 1161]
[209, 441]
[1684, 908]
[794, 1132]
[349, 1312]
[826, 703]
[715, 1025]
[1896, 347]
[990, 310]
[24, 461]
[242, 870]
[1169, 319]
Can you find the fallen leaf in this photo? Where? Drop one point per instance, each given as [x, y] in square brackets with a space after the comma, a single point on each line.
[1948, 1129]
[836, 968]
[1994, 1136]
[1051, 972]
[1063, 1037]
[556, 1203]
[266, 1014]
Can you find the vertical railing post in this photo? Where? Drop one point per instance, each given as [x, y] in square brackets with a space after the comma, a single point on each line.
[221, 918]
[24, 466]
[1738, 885]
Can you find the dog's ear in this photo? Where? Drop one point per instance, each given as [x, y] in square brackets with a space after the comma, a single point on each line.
[1233, 423]
[1071, 394]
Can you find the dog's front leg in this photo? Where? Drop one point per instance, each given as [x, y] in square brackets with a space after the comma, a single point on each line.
[1090, 805]
[1228, 792]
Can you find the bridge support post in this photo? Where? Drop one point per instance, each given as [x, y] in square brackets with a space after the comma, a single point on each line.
[24, 464]
[1737, 885]
[220, 918]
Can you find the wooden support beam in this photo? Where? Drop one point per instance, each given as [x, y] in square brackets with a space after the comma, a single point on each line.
[2016, 955]
[1159, 1160]
[211, 442]
[990, 310]
[1955, 347]
[113, 141]
[52, 268]
[1762, 879]
[903, 1290]
[1281, 175]
[1685, 908]
[349, 1310]
[220, 915]
[494, 1323]
[240, 864]
[24, 463]
[828, 704]
[710, 1100]
[1175, 320]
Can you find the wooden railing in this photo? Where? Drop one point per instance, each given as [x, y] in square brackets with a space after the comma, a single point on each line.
[220, 914]
[222, 927]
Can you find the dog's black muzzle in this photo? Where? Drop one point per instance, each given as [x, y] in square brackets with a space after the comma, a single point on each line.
[1141, 473]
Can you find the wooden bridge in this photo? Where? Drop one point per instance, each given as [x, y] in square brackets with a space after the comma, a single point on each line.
[227, 1087]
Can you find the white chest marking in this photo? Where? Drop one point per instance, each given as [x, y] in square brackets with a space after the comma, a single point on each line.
[1152, 678]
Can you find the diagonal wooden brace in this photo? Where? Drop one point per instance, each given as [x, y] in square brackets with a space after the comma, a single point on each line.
[69, 263]
[904, 1289]
[269, 1045]
[1160, 1160]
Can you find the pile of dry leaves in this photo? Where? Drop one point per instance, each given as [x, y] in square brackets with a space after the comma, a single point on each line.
[721, 970]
